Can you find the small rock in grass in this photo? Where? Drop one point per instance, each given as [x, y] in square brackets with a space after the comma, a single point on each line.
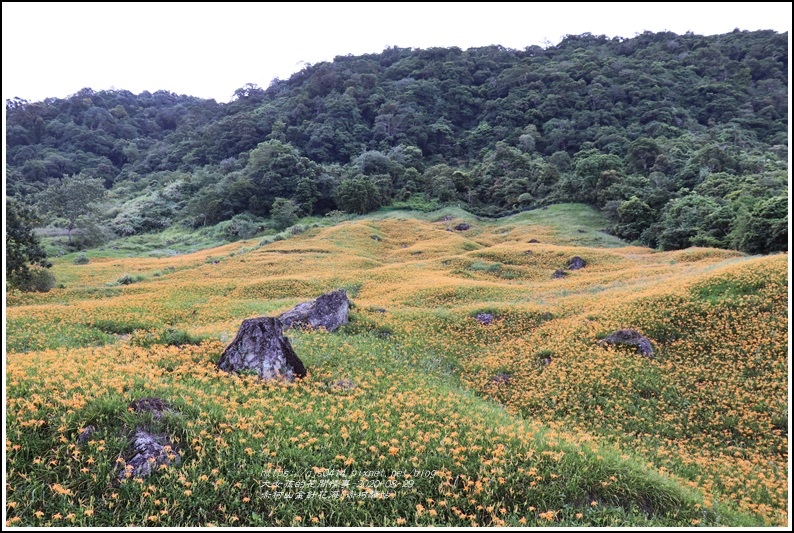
[630, 337]
[484, 318]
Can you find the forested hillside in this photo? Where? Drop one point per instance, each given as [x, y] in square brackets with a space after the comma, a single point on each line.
[680, 140]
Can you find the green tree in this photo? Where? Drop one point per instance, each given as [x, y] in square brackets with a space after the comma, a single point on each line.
[634, 217]
[358, 195]
[284, 212]
[693, 220]
[23, 248]
[765, 228]
[71, 197]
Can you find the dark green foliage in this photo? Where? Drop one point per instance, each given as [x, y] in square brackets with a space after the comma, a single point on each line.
[634, 217]
[597, 120]
[71, 197]
[358, 195]
[284, 212]
[690, 221]
[37, 280]
[765, 229]
[22, 246]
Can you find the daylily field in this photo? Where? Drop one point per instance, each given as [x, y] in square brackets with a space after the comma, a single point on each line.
[415, 413]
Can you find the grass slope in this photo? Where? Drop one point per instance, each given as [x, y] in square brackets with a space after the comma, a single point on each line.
[414, 413]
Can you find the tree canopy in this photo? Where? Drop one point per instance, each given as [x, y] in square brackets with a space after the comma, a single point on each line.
[23, 248]
[631, 126]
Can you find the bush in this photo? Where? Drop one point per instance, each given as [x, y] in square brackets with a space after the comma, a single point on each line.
[127, 279]
[81, 259]
[284, 212]
[38, 280]
[242, 226]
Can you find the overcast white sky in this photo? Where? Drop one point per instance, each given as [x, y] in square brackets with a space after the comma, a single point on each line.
[211, 49]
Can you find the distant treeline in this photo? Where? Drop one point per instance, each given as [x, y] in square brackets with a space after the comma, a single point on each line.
[680, 140]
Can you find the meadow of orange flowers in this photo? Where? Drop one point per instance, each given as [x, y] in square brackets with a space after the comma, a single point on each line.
[415, 413]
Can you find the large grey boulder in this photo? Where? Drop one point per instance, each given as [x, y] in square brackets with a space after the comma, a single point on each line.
[261, 347]
[329, 311]
[630, 337]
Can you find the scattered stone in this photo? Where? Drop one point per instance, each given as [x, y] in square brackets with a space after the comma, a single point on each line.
[533, 241]
[575, 263]
[216, 261]
[462, 227]
[581, 231]
[528, 252]
[260, 346]
[329, 311]
[343, 384]
[546, 316]
[149, 451]
[559, 274]
[502, 378]
[85, 434]
[445, 218]
[484, 318]
[375, 238]
[156, 406]
[546, 360]
[630, 337]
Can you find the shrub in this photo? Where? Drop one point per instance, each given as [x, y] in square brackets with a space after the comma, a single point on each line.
[81, 259]
[38, 280]
[127, 279]
[241, 226]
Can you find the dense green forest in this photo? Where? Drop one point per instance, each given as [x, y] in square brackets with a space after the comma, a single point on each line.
[681, 140]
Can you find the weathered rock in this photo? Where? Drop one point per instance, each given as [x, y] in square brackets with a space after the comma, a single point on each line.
[260, 346]
[484, 318]
[630, 337]
[502, 378]
[558, 274]
[329, 311]
[149, 451]
[575, 263]
[85, 434]
[156, 406]
[462, 227]
[343, 384]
